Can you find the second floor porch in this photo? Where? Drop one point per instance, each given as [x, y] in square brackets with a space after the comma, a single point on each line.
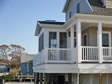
[80, 41]
[89, 54]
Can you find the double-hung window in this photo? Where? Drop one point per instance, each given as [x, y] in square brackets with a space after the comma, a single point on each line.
[52, 39]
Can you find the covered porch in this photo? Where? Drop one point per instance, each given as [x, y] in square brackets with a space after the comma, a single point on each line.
[90, 36]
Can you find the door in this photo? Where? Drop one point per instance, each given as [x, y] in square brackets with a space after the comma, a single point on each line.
[106, 39]
[106, 43]
[85, 40]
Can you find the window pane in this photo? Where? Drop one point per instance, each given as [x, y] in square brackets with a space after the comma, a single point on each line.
[63, 40]
[105, 39]
[85, 40]
[78, 8]
[52, 40]
[41, 42]
[75, 43]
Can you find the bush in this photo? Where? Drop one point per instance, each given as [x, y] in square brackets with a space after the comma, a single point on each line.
[7, 77]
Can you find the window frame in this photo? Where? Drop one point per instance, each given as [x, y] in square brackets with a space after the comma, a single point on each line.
[51, 38]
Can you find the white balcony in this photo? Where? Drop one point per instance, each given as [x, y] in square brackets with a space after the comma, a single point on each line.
[58, 55]
[53, 55]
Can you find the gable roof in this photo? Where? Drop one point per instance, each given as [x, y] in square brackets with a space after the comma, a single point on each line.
[99, 9]
[66, 5]
[46, 23]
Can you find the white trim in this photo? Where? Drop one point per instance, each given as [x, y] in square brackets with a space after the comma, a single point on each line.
[58, 39]
[89, 6]
[73, 23]
[72, 36]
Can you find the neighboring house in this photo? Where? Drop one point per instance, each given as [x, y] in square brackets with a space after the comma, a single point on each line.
[78, 51]
[4, 68]
[27, 64]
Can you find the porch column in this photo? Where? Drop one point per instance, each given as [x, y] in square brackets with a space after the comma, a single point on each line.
[46, 78]
[78, 78]
[100, 78]
[41, 78]
[69, 78]
[66, 78]
[78, 40]
[72, 36]
[99, 41]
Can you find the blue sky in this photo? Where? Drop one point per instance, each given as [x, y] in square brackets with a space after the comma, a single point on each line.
[18, 20]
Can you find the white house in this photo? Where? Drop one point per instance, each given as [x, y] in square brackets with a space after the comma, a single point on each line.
[78, 51]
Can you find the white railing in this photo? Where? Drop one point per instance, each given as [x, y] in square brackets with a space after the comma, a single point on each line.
[107, 53]
[59, 54]
[53, 55]
[39, 58]
[89, 54]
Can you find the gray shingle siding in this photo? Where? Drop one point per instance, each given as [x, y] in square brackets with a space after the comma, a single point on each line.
[98, 8]
[72, 7]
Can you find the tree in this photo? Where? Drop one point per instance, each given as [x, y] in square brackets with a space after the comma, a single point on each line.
[4, 50]
[16, 52]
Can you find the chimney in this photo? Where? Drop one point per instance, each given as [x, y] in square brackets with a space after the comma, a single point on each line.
[107, 3]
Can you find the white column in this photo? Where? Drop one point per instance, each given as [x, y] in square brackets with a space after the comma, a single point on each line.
[66, 77]
[58, 43]
[72, 43]
[99, 41]
[78, 78]
[72, 36]
[78, 39]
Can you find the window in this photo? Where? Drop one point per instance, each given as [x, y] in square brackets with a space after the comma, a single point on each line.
[105, 39]
[63, 40]
[52, 39]
[41, 42]
[75, 42]
[85, 39]
[70, 14]
[78, 8]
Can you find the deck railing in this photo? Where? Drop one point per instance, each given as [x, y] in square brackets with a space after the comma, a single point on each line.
[64, 55]
[107, 53]
[53, 55]
[59, 54]
[89, 54]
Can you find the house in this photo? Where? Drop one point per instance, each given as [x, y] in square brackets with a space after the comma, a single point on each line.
[27, 64]
[78, 51]
[4, 68]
